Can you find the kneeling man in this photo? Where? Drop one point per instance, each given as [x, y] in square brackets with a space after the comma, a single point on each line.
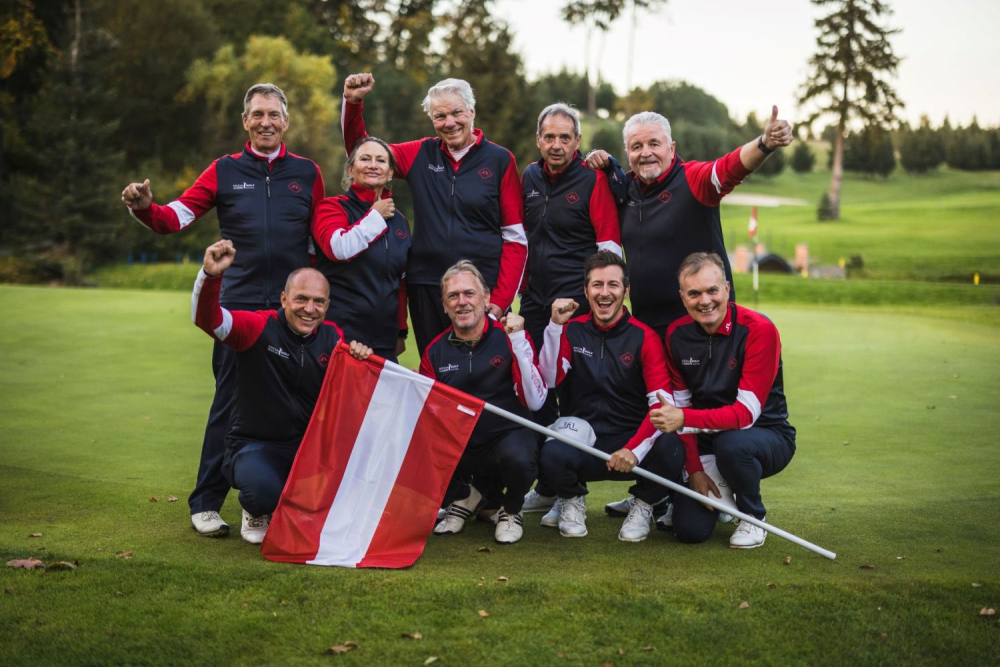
[281, 358]
[725, 367]
[609, 368]
[493, 361]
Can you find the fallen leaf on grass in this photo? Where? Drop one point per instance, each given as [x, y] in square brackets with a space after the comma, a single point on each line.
[621, 651]
[8, 591]
[787, 561]
[119, 594]
[955, 375]
[502, 579]
[560, 655]
[154, 499]
[953, 396]
[900, 557]
[484, 550]
[412, 635]
[483, 613]
[974, 585]
[62, 565]
[26, 563]
[846, 442]
[171, 499]
[930, 407]
[339, 649]
[987, 612]
[431, 660]
[772, 585]
[744, 605]
[34, 534]
[125, 554]
[647, 649]
[882, 637]
[866, 566]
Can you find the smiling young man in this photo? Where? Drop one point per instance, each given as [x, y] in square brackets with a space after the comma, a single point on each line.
[725, 368]
[466, 201]
[493, 361]
[281, 358]
[609, 369]
[264, 197]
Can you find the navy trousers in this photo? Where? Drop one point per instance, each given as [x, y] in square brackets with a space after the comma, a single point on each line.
[744, 458]
[566, 469]
[211, 487]
[513, 458]
[259, 470]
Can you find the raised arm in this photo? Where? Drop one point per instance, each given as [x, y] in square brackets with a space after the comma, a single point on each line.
[527, 378]
[178, 214]
[238, 329]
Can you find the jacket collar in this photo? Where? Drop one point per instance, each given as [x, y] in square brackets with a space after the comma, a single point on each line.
[575, 161]
[366, 195]
[248, 149]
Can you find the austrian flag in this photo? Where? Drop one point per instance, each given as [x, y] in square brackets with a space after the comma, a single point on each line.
[373, 467]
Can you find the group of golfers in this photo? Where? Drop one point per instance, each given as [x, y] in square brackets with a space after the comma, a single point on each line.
[688, 384]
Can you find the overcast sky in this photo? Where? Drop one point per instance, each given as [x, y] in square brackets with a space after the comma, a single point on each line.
[750, 54]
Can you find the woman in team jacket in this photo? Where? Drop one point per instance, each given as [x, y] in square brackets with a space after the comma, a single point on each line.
[364, 243]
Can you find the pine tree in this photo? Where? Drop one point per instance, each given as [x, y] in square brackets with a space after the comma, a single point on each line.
[848, 75]
[803, 159]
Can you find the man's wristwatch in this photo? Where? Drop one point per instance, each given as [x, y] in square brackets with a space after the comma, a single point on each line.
[763, 149]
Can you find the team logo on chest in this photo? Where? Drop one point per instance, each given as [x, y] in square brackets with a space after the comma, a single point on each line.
[665, 196]
[497, 361]
[278, 351]
[400, 233]
[448, 368]
[572, 198]
[732, 363]
[485, 173]
[294, 187]
[324, 359]
[436, 168]
[243, 186]
[627, 358]
[690, 361]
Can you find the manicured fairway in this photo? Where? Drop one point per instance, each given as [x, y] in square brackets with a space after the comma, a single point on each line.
[102, 404]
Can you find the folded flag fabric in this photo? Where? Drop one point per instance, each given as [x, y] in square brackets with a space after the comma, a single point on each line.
[372, 468]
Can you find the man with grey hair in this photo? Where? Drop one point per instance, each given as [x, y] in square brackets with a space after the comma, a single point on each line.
[569, 214]
[466, 201]
[264, 197]
[677, 203]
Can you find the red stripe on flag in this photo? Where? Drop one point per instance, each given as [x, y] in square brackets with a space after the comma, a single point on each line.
[293, 536]
[423, 478]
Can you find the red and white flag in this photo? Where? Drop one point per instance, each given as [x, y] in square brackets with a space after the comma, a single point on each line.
[752, 228]
[372, 468]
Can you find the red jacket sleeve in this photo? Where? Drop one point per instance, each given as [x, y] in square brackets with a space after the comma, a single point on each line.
[760, 367]
[711, 181]
[425, 366]
[654, 373]
[340, 240]
[514, 252]
[178, 214]
[238, 329]
[604, 216]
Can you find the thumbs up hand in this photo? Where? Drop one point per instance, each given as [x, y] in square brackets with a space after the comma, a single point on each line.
[777, 132]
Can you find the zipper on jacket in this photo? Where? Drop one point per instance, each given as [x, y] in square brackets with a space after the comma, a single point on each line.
[470, 361]
[710, 339]
[267, 239]
[453, 177]
[602, 348]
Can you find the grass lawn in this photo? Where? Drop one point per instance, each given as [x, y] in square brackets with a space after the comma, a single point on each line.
[103, 402]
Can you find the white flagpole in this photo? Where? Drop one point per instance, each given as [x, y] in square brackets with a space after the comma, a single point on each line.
[707, 500]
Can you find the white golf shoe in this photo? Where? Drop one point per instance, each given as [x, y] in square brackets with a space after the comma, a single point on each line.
[536, 502]
[457, 512]
[509, 527]
[619, 508]
[635, 528]
[254, 528]
[747, 536]
[551, 518]
[666, 520]
[209, 524]
[573, 521]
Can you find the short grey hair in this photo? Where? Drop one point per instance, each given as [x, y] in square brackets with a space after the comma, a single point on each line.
[463, 266]
[265, 89]
[696, 261]
[559, 109]
[645, 118]
[458, 87]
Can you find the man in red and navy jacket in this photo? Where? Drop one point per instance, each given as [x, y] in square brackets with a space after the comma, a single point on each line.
[281, 359]
[569, 214]
[609, 369]
[264, 198]
[493, 361]
[466, 200]
[669, 208]
[725, 368]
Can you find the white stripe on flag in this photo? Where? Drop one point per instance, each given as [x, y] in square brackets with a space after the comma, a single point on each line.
[371, 472]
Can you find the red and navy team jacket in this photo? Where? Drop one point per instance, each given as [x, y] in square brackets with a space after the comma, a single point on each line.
[263, 208]
[364, 257]
[498, 369]
[278, 372]
[568, 217]
[731, 379]
[666, 221]
[469, 209]
[609, 377]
